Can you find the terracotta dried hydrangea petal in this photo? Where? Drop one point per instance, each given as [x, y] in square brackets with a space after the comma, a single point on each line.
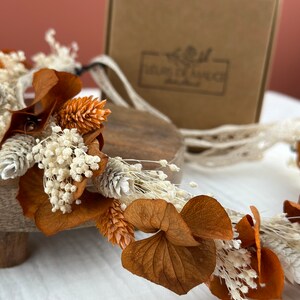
[246, 232]
[153, 215]
[43, 81]
[92, 135]
[298, 153]
[92, 206]
[80, 187]
[218, 288]
[292, 209]
[50, 85]
[206, 218]
[93, 149]
[271, 279]
[31, 193]
[174, 267]
[257, 237]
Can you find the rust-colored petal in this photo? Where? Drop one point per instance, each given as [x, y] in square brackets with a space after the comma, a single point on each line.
[271, 277]
[91, 136]
[43, 81]
[257, 238]
[292, 209]
[31, 193]
[93, 149]
[206, 218]
[218, 288]
[153, 215]
[246, 232]
[50, 85]
[93, 206]
[298, 153]
[176, 268]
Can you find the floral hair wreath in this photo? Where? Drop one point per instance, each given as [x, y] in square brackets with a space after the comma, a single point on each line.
[54, 145]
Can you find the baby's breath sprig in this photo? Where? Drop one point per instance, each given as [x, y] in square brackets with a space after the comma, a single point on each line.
[63, 156]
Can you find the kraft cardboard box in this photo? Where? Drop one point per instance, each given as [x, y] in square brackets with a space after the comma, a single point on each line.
[203, 63]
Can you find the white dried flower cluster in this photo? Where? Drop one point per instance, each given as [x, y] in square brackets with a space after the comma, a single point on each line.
[13, 66]
[128, 182]
[283, 238]
[8, 102]
[63, 156]
[61, 58]
[233, 265]
[13, 156]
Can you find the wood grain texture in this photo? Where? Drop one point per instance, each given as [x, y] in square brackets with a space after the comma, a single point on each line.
[13, 248]
[129, 134]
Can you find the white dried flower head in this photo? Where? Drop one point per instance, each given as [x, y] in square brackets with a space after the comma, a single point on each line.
[193, 184]
[63, 156]
[14, 161]
[174, 168]
[127, 182]
[61, 58]
[233, 265]
[13, 66]
[8, 103]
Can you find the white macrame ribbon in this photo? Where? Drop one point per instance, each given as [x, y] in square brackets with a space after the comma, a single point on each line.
[101, 79]
[225, 145]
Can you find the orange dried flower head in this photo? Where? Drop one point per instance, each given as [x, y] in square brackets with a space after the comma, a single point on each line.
[86, 114]
[114, 226]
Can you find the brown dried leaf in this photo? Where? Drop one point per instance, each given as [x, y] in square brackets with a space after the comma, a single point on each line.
[206, 218]
[271, 277]
[153, 215]
[292, 209]
[174, 267]
[31, 192]
[93, 206]
[246, 232]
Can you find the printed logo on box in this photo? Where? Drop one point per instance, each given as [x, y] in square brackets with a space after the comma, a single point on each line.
[184, 70]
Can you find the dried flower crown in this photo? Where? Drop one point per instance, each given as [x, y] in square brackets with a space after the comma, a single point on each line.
[54, 145]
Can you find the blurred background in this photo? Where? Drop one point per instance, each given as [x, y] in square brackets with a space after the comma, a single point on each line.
[24, 23]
